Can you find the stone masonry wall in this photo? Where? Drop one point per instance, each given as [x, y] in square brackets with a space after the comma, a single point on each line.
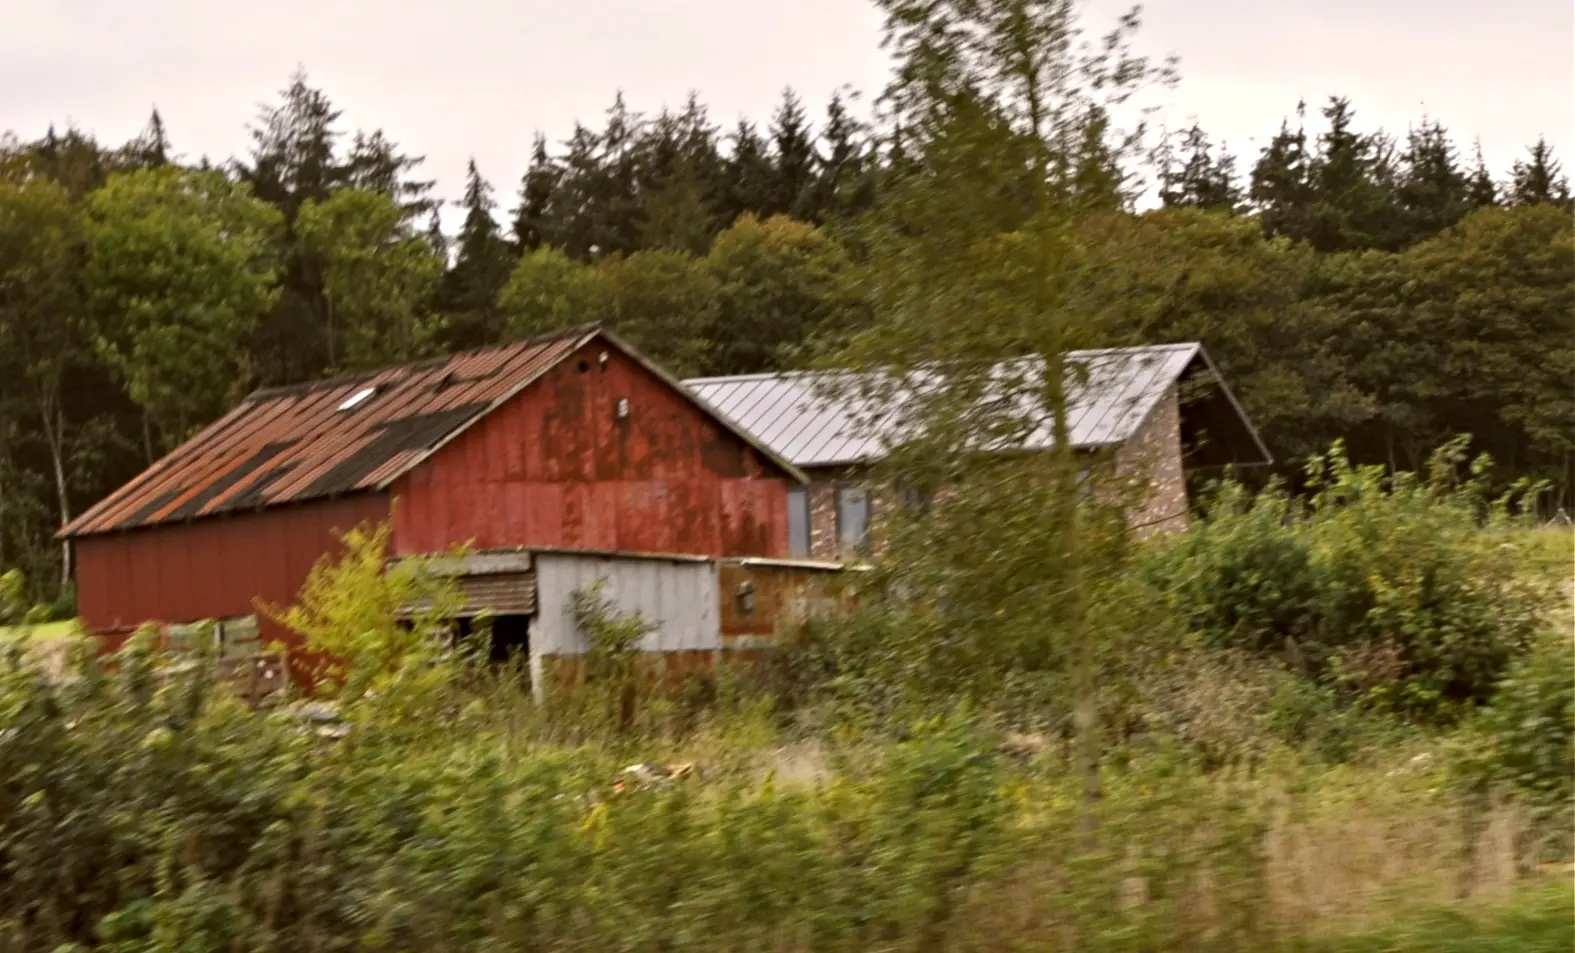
[1153, 456]
[1149, 465]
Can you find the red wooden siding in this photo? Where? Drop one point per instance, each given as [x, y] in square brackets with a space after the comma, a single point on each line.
[211, 568]
[554, 468]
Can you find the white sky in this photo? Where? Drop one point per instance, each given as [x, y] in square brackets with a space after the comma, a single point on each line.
[478, 77]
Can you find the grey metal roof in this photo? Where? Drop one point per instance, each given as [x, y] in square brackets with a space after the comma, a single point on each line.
[1109, 396]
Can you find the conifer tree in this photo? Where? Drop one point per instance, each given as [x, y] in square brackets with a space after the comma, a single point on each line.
[845, 183]
[1481, 190]
[151, 149]
[1352, 176]
[1096, 177]
[376, 165]
[1338, 197]
[482, 263]
[572, 224]
[293, 161]
[748, 174]
[1433, 191]
[1281, 189]
[1199, 178]
[435, 236]
[597, 212]
[794, 160]
[533, 218]
[677, 169]
[74, 160]
[1539, 179]
[293, 149]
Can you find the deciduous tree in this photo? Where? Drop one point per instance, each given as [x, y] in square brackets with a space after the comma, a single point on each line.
[42, 321]
[378, 276]
[779, 283]
[181, 266]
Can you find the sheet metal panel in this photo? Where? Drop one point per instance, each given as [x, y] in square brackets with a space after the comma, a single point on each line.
[764, 599]
[294, 444]
[678, 597]
[1111, 393]
[210, 569]
[558, 467]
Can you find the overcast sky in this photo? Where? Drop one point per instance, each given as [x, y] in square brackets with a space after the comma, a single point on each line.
[459, 78]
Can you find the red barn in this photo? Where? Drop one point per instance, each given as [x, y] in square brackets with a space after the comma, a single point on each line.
[572, 441]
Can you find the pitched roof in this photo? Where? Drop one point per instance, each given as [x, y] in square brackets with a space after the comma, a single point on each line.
[360, 432]
[807, 418]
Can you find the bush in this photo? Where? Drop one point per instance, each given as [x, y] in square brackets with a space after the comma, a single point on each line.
[1241, 576]
[1385, 588]
[1527, 736]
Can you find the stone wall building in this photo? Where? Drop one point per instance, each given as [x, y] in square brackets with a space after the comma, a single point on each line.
[1154, 414]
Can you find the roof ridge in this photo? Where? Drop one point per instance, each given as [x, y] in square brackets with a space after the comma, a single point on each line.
[795, 374]
[420, 364]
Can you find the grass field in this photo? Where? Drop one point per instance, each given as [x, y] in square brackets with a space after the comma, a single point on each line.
[47, 632]
[1539, 919]
[1550, 550]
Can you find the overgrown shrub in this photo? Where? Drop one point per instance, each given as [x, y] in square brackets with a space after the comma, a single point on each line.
[372, 626]
[1384, 587]
[1527, 736]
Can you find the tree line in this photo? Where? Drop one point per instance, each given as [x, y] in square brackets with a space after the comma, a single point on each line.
[1388, 291]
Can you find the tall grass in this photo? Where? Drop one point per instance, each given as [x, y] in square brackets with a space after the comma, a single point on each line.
[143, 810]
[1249, 802]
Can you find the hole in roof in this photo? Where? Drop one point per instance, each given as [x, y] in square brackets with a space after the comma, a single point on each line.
[358, 398]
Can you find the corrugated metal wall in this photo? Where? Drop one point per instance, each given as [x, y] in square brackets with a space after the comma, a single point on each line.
[679, 597]
[558, 466]
[780, 595]
[211, 568]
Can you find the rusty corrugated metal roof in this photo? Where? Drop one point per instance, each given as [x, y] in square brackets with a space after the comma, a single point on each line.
[292, 444]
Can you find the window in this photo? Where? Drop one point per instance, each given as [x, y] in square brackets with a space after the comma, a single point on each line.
[235, 637]
[853, 517]
[185, 637]
[238, 637]
[915, 500]
[798, 520]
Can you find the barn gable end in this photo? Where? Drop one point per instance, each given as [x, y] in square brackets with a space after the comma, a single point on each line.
[602, 451]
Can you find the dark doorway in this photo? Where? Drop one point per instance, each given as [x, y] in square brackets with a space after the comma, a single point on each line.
[510, 637]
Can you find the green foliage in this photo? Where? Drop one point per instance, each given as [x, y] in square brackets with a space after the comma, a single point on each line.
[611, 634]
[142, 809]
[664, 302]
[483, 262]
[1526, 737]
[371, 628]
[13, 597]
[780, 283]
[1541, 920]
[547, 291]
[42, 331]
[377, 277]
[1386, 588]
[182, 266]
[1432, 319]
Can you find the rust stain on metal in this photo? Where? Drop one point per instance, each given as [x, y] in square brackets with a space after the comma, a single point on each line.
[357, 433]
[762, 600]
[292, 444]
[598, 454]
